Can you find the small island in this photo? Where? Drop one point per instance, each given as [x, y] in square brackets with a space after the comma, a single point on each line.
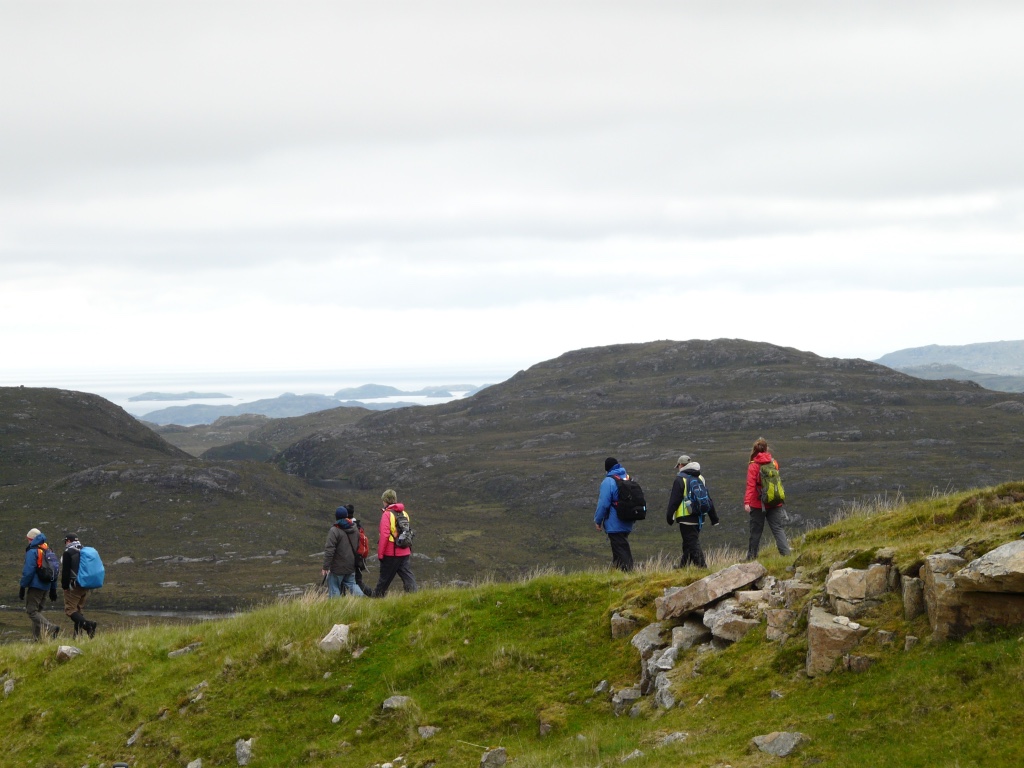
[177, 396]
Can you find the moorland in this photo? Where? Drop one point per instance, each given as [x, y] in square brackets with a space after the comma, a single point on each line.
[498, 483]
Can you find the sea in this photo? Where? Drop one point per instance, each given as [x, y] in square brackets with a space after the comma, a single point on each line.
[245, 387]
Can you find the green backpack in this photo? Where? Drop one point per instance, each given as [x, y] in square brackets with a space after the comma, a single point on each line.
[772, 493]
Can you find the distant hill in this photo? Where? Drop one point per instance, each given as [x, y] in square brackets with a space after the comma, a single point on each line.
[283, 406]
[51, 432]
[993, 381]
[1001, 357]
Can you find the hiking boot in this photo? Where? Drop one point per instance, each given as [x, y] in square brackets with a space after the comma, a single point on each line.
[90, 628]
[53, 631]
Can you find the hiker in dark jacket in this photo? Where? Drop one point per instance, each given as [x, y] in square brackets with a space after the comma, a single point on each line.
[752, 503]
[34, 590]
[605, 518]
[340, 558]
[394, 559]
[74, 595]
[680, 511]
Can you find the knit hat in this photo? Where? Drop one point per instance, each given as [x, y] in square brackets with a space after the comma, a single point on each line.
[609, 463]
[683, 461]
[33, 532]
[345, 510]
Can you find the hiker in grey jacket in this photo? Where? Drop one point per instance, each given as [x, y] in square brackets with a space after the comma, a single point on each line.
[340, 561]
[680, 511]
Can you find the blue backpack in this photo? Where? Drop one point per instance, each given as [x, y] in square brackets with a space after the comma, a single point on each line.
[700, 500]
[90, 569]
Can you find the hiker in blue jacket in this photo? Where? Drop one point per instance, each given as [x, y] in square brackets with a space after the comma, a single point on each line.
[35, 588]
[606, 520]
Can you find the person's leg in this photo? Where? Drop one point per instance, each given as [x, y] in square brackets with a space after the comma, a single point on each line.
[756, 527]
[692, 553]
[349, 582]
[622, 557]
[405, 574]
[41, 627]
[774, 517]
[388, 570]
[333, 585]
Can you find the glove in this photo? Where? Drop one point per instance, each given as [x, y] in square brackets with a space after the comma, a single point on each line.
[21, 593]
[53, 594]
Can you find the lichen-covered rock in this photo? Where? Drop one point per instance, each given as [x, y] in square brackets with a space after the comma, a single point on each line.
[781, 622]
[622, 626]
[336, 639]
[913, 597]
[691, 633]
[648, 640]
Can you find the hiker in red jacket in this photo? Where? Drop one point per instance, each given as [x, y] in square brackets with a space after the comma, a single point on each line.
[394, 558]
[752, 503]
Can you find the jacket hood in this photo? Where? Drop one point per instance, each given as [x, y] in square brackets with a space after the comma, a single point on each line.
[693, 468]
[345, 523]
[40, 539]
[617, 471]
[399, 507]
[763, 458]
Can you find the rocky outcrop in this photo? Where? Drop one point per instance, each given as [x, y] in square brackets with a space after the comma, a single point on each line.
[960, 596]
[853, 592]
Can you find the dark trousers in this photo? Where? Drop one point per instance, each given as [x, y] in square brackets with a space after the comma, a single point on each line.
[34, 601]
[622, 558]
[391, 567]
[757, 521]
[692, 553]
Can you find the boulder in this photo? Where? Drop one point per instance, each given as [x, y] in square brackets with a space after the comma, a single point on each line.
[727, 625]
[336, 639]
[913, 597]
[857, 663]
[396, 702]
[853, 584]
[648, 640]
[622, 626]
[793, 591]
[428, 731]
[829, 640]
[691, 633]
[779, 744]
[941, 598]
[1001, 570]
[494, 758]
[67, 652]
[781, 622]
[623, 700]
[243, 751]
[709, 589]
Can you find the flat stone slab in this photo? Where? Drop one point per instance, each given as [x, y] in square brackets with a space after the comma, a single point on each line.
[709, 589]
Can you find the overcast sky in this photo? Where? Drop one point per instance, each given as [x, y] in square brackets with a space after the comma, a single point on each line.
[223, 186]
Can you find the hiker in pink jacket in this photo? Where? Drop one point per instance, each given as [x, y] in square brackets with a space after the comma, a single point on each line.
[393, 557]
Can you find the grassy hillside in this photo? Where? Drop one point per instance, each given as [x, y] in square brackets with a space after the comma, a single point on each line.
[489, 663]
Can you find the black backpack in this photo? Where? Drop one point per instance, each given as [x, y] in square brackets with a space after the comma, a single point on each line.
[403, 529]
[631, 505]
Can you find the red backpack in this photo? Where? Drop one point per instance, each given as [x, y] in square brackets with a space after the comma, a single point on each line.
[363, 550]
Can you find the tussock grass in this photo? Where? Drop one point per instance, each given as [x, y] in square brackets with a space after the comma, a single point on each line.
[490, 662]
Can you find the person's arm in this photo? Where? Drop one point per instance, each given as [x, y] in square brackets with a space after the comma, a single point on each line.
[750, 497]
[329, 549]
[675, 498]
[65, 570]
[29, 570]
[604, 503]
